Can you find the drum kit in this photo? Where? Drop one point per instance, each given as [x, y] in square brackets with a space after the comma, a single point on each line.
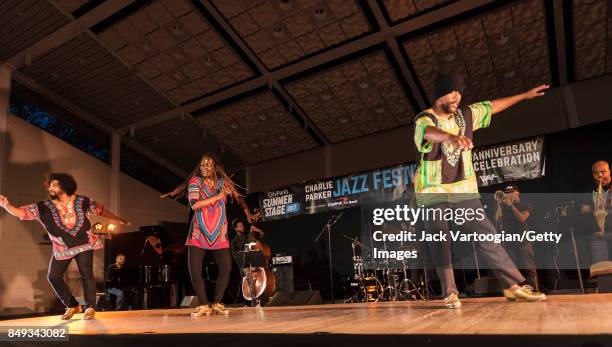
[386, 282]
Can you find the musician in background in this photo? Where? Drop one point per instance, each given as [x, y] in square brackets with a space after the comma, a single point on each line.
[600, 206]
[238, 242]
[243, 236]
[115, 280]
[513, 218]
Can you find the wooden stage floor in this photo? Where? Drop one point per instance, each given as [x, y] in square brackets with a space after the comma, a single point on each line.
[567, 315]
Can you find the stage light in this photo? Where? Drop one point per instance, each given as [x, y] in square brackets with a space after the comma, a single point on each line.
[208, 62]
[285, 5]
[320, 13]
[501, 39]
[449, 57]
[177, 30]
[178, 54]
[146, 46]
[278, 31]
[178, 75]
[509, 74]
[111, 227]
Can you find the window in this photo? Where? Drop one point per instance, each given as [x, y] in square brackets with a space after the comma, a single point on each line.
[40, 112]
[148, 172]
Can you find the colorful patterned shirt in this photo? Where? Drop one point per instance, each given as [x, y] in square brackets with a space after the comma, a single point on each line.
[208, 228]
[445, 172]
[67, 240]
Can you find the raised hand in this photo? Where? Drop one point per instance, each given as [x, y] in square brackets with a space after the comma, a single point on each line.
[4, 201]
[536, 92]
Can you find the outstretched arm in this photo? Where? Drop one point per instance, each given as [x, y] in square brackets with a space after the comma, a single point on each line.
[499, 105]
[110, 215]
[15, 211]
[250, 217]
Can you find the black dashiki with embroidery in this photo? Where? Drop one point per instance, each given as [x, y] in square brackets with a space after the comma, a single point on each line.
[67, 240]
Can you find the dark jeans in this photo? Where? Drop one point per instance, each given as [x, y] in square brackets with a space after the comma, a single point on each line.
[55, 275]
[493, 253]
[600, 247]
[224, 263]
[120, 297]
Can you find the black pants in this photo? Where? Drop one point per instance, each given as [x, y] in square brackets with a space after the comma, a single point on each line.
[55, 275]
[224, 263]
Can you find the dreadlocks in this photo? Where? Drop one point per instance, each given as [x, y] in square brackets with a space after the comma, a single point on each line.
[229, 186]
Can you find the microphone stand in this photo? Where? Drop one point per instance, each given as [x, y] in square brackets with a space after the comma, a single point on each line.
[327, 227]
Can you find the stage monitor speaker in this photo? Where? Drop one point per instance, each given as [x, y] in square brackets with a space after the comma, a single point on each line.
[284, 277]
[604, 283]
[487, 286]
[297, 298]
[190, 301]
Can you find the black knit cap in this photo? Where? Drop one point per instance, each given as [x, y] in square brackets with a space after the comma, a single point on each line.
[446, 83]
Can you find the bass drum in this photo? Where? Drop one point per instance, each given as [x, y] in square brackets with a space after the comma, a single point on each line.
[367, 289]
[372, 289]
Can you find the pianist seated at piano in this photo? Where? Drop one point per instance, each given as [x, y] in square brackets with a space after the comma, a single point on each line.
[115, 279]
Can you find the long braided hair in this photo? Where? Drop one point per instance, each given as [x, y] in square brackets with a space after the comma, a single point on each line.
[229, 186]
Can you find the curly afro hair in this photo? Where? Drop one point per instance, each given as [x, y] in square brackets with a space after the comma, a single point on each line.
[65, 181]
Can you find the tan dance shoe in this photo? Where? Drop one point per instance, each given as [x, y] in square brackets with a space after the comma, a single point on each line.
[202, 310]
[524, 293]
[71, 311]
[89, 314]
[452, 301]
[219, 308]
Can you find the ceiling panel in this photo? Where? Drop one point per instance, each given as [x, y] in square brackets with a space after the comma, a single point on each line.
[71, 5]
[280, 32]
[502, 52]
[171, 44]
[83, 72]
[25, 22]
[401, 9]
[257, 128]
[593, 37]
[180, 141]
[354, 99]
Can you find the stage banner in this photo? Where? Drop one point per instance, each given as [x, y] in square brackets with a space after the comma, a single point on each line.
[338, 192]
[509, 162]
